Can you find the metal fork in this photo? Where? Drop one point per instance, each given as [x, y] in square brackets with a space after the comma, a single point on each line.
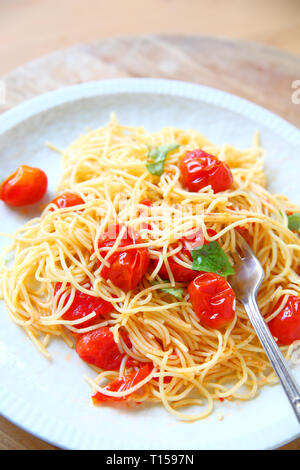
[246, 282]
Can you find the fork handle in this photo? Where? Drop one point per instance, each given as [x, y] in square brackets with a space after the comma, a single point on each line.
[277, 360]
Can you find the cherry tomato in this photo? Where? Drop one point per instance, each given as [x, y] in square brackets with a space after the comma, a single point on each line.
[245, 232]
[134, 363]
[213, 300]
[122, 384]
[181, 273]
[84, 304]
[286, 325]
[67, 200]
[98, 347]
[146, 202]
[200, 169]
[127, 267]
[166, 380]
[25, 186]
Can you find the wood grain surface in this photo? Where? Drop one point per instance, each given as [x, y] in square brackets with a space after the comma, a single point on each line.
[32, 28]
[258, 73]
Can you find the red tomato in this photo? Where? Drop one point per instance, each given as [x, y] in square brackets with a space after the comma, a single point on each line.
[245, 234]
[127, 267]
[98, 347]
[24, 187]
[122, 384]
[67, 200]
[146, 202]
[181, 273]
[84, 304]
[213, 300]
[199, 169]
[166, 380]
[286, 325]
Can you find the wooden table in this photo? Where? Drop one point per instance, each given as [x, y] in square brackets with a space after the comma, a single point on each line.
[32, 28]
[259, 73]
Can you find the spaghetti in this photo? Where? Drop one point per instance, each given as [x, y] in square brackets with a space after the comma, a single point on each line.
[165, 353]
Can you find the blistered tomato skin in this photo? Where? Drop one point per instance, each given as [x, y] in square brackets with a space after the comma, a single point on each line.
[146, 202]
[127, 266]
[213, 300]
[122, 384]
[285, 327]
[24, 187]
[98, 347]
[82, 305]
[200, 169]
[67, 200]
[181, 273]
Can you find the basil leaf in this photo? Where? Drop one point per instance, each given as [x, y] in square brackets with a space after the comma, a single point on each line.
[212, 259]
[294, 221]
[176, 291]
[157, 157]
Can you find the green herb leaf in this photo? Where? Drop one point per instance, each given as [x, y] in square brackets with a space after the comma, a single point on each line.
[157, 157]
[176, 291]
[212, 259]
[294, 221]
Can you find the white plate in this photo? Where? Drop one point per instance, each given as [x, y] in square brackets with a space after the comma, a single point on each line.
[51, 400]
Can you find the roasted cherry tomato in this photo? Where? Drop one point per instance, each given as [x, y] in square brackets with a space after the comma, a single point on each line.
[122, 384]
[146, 202]
[166, 380]
[200, 169]
[25, 186]
[286, 325]
[181, 273]
[84, 304]
[67, 200]
[99, 348]
[127, 267]
[245, 234]
[213, 300]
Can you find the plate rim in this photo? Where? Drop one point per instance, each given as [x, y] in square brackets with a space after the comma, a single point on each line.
[210, 95]
[47, 101]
